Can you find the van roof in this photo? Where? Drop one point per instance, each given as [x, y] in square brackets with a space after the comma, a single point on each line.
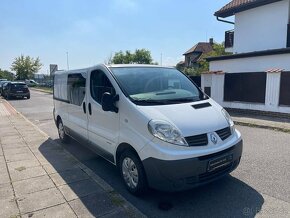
[112, 66]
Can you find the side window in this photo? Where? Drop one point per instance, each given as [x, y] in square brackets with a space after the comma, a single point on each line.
[99, 84]
[76, 88]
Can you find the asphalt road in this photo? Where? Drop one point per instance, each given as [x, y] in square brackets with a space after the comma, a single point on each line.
[260, 185]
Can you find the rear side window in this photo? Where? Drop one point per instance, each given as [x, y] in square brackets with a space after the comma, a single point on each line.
[76, 88]
[18, 85]
[99, 84]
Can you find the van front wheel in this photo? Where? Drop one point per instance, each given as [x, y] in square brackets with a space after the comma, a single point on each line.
[64, 138]
[132, 172]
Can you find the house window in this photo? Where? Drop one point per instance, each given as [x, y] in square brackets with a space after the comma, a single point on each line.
[285, 89]
[245, 87]
[76, 88]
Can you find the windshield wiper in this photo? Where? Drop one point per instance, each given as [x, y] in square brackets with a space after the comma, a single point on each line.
[180, 100]
[149, 101]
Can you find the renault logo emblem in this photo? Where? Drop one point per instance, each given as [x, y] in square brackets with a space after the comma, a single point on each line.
[213, 138]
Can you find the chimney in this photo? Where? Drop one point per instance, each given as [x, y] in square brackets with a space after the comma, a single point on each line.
[211, 41]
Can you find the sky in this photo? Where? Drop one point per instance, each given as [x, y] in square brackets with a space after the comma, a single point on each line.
[90, 31]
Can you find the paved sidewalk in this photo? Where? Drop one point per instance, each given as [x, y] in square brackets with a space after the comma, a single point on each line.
[38, 178]
[278, 124]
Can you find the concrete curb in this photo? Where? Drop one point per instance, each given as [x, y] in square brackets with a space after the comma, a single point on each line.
[275, 128]
[116, 197]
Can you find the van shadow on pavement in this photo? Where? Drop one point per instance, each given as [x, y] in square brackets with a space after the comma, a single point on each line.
[85, 196]
[228, 197]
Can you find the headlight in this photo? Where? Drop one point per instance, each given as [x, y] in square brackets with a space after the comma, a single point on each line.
[229, 120]
[166, 132]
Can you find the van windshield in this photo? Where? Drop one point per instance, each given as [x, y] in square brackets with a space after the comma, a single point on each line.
[155, 85]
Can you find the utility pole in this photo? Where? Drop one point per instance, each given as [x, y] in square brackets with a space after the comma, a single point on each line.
[161, 59]
[67, 61]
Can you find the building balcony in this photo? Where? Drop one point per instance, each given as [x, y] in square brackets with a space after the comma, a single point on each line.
[229, 40]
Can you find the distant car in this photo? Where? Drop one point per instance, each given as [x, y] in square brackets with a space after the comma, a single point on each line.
[31, 82]
[15, 89]
[2, 82]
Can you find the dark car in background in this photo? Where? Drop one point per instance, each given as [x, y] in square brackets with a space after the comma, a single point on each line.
[15, 89]
[2, 82]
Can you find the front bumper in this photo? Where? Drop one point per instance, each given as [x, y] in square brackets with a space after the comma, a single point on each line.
[177, 175]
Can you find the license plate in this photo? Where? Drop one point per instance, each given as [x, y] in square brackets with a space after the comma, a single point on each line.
[19, 91]
[219, 162]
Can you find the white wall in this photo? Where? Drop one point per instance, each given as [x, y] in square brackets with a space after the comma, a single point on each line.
[262, 28]
[253, 64]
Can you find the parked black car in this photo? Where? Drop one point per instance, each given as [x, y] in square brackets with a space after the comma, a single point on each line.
[2, 81]
[15, 89]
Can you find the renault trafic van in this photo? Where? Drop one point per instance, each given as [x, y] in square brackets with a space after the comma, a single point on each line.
[152, 122]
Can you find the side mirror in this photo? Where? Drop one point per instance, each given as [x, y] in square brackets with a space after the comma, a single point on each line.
[108, 102]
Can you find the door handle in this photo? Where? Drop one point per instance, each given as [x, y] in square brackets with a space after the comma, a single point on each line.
[84, 107]
[90, 109]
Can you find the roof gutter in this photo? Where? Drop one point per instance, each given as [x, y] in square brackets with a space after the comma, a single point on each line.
[225, 21]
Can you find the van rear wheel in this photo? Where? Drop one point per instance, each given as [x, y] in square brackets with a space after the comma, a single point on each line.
[64, 138]
[132, 172]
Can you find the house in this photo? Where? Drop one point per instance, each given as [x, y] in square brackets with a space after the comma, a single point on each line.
[256, 76]
[193, 55]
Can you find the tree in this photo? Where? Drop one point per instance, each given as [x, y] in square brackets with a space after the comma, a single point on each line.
[140, 56]
[25, 67]
[203, 64]
[218, 50]
[5, 74]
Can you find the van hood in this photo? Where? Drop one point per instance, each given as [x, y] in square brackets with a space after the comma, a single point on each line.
[189, 120]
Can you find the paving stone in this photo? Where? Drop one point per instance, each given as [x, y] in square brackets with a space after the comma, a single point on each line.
[11, 140]
[53, 157]
[60, 166]
[23, 163]
[6, 191]
[2, 161]
[59, 211]
[18, 157]
[13, 145]
[26, 173]
[40, 200]
[32, 185]
[8, 132]
[8, 208]
[80, 189]
[68, 176]
[4, 178]
[20, 150]
[93, 205]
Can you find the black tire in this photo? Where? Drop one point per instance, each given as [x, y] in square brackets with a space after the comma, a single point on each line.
[64, 138]
[141, 186]
[28, 97]
[8, 96]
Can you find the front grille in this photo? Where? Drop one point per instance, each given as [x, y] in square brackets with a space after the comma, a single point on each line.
[224, 133]
[197, 140]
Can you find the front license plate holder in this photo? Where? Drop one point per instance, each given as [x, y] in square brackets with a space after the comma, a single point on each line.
[219, 162]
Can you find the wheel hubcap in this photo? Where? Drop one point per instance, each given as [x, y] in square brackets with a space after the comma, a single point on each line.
[61, 130]
[130, 172]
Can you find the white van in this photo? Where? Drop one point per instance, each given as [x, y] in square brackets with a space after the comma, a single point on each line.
[152, 122]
